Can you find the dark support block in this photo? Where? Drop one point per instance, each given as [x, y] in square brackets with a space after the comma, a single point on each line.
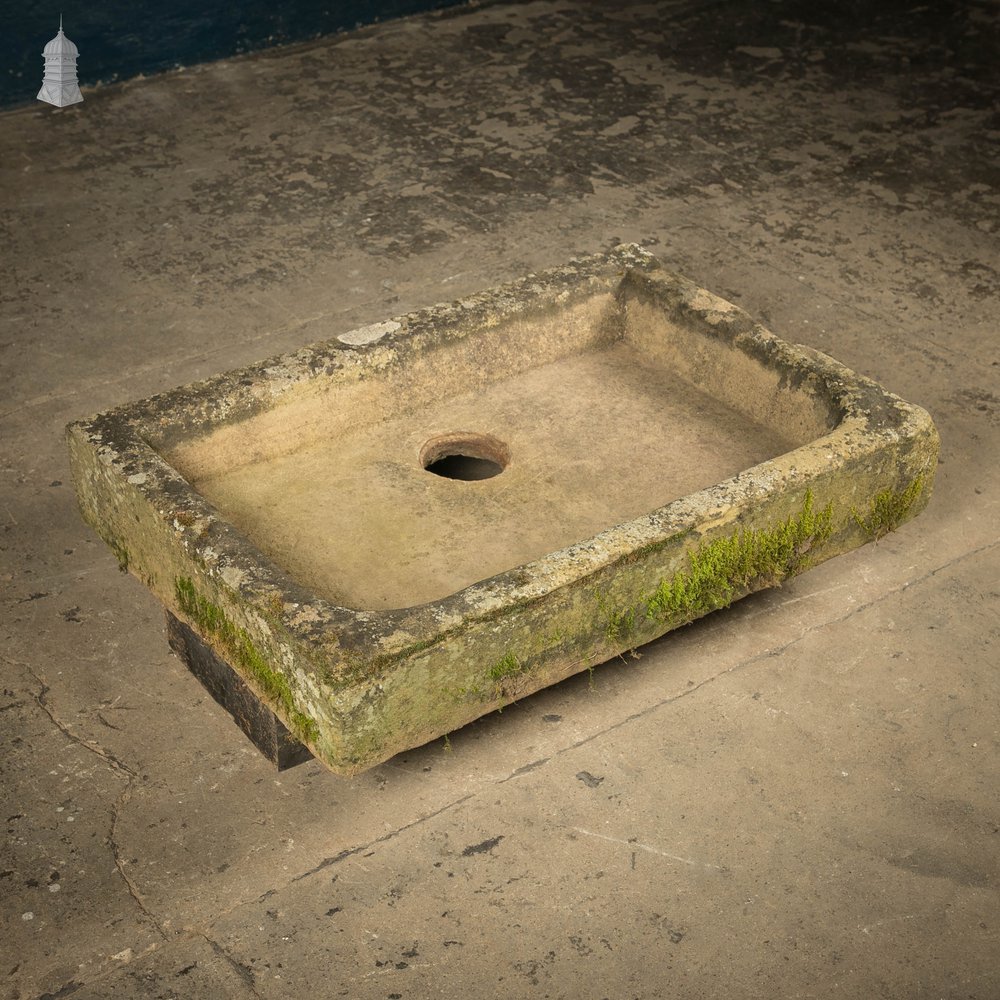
[265, 729]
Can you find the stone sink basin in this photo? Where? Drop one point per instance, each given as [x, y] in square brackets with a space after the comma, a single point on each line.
[394, 532]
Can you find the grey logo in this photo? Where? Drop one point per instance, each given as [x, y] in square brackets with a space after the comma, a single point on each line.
[59, 86]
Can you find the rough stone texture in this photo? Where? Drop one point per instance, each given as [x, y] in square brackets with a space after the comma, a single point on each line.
[833, 743]
[358, 682]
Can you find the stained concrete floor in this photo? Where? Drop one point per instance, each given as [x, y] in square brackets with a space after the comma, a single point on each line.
[797, 797]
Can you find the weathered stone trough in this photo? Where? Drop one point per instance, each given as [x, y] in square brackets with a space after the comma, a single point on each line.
[392, 533]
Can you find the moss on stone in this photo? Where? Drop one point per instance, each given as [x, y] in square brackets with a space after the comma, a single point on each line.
[620, 625]
[121, 553]
[724, 569]
[213, 622]
[500, 682]
[506, 666]
[888, 509]
[504, 674]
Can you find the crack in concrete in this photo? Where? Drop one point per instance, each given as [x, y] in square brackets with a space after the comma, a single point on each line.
[116, 853]
[118, 766]
[342, 855]
[327, 862]
[242, 970]
[67, 989]
[123, 771]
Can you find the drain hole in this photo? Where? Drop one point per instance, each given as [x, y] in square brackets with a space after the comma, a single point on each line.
[466, 457]
[464, 467]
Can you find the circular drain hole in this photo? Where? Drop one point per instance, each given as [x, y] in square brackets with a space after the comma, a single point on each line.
[465, 456]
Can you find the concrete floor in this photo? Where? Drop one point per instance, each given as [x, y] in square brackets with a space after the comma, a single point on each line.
[797, 797]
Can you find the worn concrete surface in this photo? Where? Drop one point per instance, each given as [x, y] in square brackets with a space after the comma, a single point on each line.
[794, 798]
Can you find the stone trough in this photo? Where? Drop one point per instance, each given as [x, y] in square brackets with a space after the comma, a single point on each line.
[394, 532]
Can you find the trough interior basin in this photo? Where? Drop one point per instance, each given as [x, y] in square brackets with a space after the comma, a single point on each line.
[596, 437]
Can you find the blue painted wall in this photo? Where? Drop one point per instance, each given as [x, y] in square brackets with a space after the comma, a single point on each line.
[119, 39]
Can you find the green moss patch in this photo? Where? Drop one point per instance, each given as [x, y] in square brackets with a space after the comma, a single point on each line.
[724, 569]
[888, 509]
[121, 553]
[620, 625]
[213, 623]
[504, 674]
